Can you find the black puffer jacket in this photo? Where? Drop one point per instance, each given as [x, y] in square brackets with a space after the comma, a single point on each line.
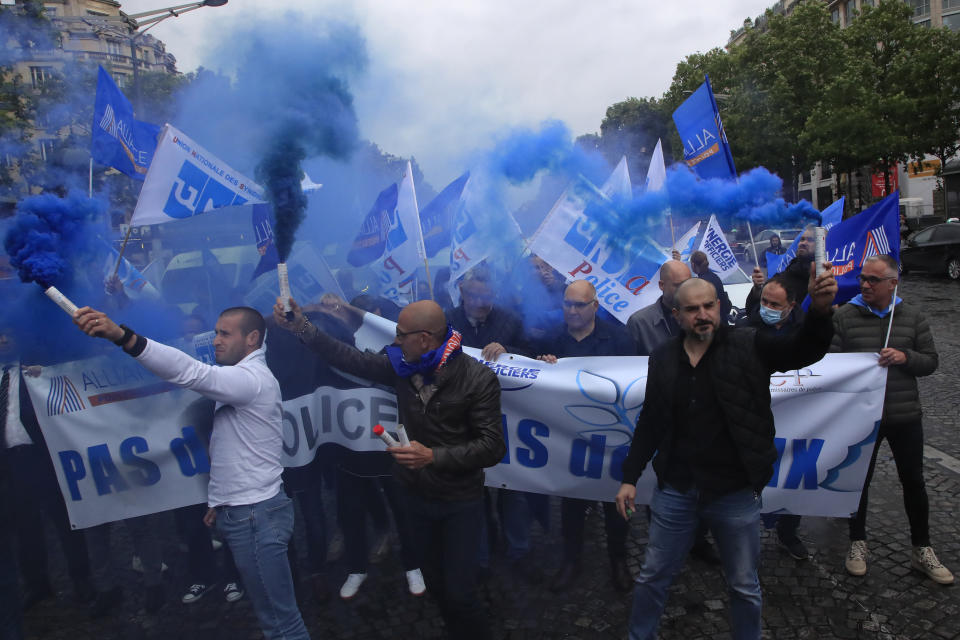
[460, 422]
[740, 368]
[857, 329]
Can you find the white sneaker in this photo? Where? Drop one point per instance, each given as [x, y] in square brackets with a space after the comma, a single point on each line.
[195, 592]
[216, 544]
[857, 558]
[352, 585]
[137, 565]
[925, 561]
[232, 592]
[415, 582]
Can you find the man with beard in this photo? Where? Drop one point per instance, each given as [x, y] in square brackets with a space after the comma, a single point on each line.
[707, 417]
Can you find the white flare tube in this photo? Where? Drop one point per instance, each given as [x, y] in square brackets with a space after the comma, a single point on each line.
[62, 301]
[402, 432]
[820, 247]
[284, 286]
[388, 440]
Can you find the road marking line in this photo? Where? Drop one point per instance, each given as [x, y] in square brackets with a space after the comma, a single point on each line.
[944, 459]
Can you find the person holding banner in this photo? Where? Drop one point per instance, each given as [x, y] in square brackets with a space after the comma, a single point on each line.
[585, 335]
[879, 321]
[245, 495]
[450, 406]
[707, 417]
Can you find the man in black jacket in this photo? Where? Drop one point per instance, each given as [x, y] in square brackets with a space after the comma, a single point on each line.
[450, 405]
[584, 334]
[707, 417]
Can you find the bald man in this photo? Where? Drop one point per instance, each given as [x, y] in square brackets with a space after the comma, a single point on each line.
[450, 406]
[586, 335]
[706, 415]
[654, 324]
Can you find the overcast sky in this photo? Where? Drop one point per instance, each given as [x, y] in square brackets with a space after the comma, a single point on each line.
[470, 68]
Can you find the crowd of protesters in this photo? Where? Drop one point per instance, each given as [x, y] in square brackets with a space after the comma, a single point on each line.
[712, 435]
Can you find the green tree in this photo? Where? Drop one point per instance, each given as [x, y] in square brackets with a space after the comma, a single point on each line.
[631, 128]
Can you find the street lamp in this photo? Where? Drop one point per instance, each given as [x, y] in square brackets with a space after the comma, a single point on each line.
[150, 19]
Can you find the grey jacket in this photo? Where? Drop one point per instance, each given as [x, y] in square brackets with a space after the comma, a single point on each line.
[649, 328]
[857, 329]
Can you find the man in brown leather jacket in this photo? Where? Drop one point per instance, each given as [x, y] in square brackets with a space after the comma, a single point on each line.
[450, 406]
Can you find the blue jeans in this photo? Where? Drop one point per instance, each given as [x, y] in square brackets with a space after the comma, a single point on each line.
[734, 520]
[258, 534]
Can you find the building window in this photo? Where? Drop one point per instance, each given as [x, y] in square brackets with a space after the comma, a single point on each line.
[99, 14]
[921, 8]
[51, 12]
[825, 172]
[849, 10]
[122, 80]
[952, 21]
[835, 16]
[114, 48]
[951, 4]
[40, 75]
[867, 3]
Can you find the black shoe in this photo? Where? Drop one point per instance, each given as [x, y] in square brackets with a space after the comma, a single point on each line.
[105, 602]
[703, 551]
[622, 580]
[33, 595]
[568, 574]
[794, 546]
[153, 598]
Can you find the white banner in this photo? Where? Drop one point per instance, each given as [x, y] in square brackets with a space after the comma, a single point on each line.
[685, 242]
[185, 180]
[714, 244]
[126, 444]
[578, 248]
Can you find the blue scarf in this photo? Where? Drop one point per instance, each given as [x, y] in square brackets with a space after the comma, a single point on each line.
[880, 313]
[430, 362]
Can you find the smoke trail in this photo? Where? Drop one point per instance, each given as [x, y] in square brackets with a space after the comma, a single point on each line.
[49, 233]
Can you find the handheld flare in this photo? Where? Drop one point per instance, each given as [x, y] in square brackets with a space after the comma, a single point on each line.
[62, 301]
[381, 433]
[284, 289]
[820, 248]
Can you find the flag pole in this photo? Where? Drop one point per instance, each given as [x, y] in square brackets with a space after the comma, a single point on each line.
[426, 265]
[90, 181]
[123, 247]
[673, 237]
[893, 307]
[756, 260]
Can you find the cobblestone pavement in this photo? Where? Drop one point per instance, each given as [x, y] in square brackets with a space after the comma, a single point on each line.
[811, 599]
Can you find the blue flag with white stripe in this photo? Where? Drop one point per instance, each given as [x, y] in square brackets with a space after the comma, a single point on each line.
[371, 242]
[436, 219]
[118, 140]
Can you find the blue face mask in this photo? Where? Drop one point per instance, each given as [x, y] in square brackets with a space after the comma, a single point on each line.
[770, 316]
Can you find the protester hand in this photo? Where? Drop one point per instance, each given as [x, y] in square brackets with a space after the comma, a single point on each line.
[757, 277]
[675, 255]
[210, 517]
[416, 456]
[890, 357]
[113, 285]
[626, 499]
[493, 351]
[96, 324]
[281, 317]
[822, 288]
[548, 358]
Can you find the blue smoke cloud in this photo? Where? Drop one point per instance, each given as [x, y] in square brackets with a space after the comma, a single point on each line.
[49, 233]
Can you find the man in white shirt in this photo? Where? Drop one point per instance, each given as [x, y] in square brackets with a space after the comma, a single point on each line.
[245, 495]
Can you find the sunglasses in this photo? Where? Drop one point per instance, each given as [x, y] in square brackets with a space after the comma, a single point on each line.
[873, 280]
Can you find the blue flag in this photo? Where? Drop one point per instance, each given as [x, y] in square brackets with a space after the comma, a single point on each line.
[705, 146]
[829, 218]
[371, 242]
[832, 215]
[436, 219]
[773, 262]
[262, 218]
[872, 232]
[118, 140]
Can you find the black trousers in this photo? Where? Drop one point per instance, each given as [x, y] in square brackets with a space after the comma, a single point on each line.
[572, 522]
[906, 443]
[35, 494]
[355, 495]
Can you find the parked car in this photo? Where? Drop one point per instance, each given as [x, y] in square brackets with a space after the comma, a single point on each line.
[935, 249]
